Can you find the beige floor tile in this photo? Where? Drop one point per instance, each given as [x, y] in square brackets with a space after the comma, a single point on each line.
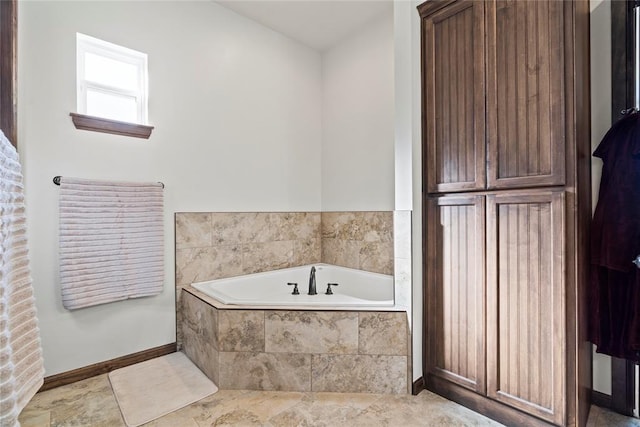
[358, 401]
[85, 403]
[90, 403]
[35, 418]
[246, 408]
[305, 414]
[173, 420]
[425, 409]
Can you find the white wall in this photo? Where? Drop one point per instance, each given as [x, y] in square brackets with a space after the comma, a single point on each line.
[358, 120]
[403, 74]
[416, 141]
[408, 143]
[600, 123]
[238, 125]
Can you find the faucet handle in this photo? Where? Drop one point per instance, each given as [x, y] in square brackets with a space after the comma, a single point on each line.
[329, 291]
[295, 288]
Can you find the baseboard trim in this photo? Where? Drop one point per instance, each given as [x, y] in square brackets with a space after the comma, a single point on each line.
[100, 368]
[601, 399]
[418, 386]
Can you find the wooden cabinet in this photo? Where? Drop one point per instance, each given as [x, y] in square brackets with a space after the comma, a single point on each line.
[495, 319]
[525, 301]
[457, 271]
[525, 93]
[494, 102]
[455, 98]
[507, 206]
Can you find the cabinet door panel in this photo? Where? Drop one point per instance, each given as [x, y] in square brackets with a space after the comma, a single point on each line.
[525, 302]
[525, 93]
[455, 281]
[453, 61]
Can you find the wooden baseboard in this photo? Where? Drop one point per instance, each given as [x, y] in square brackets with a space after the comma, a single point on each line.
[418, 386]
[79, 374]
[600, 399]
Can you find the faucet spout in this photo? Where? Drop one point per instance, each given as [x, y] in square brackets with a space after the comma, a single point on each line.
[312, 282]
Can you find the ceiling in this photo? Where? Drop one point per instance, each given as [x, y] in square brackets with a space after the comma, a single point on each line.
[319, 24]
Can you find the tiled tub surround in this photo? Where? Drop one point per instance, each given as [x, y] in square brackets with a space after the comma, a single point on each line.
[223, 341]
[216, 245]
[360, 240]
[288, 350]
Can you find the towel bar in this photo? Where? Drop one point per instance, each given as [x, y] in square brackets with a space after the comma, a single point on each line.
[56, 181]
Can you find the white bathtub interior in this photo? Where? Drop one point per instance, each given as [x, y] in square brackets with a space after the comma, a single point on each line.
[356, 288]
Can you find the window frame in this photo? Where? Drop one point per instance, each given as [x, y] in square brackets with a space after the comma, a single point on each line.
[140, 128]
[87, 44]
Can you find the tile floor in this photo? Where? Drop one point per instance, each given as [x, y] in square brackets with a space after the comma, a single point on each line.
[600, 417]
[91, 403]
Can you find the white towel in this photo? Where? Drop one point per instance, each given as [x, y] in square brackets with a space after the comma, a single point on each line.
[111, 241]
[21, 365]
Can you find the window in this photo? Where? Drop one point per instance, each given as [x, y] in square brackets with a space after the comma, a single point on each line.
[112, 81]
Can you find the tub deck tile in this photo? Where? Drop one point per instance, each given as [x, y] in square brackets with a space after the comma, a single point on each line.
[383, 333]
[200, 317]
[359, 373]
[265, 371]
[201, 353]
[311, 332]
[241, 330]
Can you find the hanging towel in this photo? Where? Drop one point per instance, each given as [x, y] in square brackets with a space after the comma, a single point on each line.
[21, 366]
[614, 312]
[111, 241]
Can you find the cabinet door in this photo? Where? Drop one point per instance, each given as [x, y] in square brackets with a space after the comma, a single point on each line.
[455, 290]
[525, 93]
[454, 106]
[525, 302]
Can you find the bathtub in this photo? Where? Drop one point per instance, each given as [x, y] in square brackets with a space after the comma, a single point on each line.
[356, 288]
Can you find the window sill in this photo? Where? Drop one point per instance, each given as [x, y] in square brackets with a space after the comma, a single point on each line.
[98, 124]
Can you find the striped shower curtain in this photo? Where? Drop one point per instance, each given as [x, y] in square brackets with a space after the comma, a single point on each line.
[21, 365]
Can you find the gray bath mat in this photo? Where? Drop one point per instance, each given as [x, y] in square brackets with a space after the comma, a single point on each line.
[148, 390]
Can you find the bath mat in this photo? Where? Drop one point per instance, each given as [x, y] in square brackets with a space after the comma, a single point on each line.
[148, 390]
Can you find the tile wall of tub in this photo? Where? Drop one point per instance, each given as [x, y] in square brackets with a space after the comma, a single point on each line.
[360, 240]
[215, 245]
[332, 351]
[402, 265]
[402, 258]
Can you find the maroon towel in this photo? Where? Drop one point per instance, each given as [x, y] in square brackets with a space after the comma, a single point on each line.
[615, 312]
[615, 242]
